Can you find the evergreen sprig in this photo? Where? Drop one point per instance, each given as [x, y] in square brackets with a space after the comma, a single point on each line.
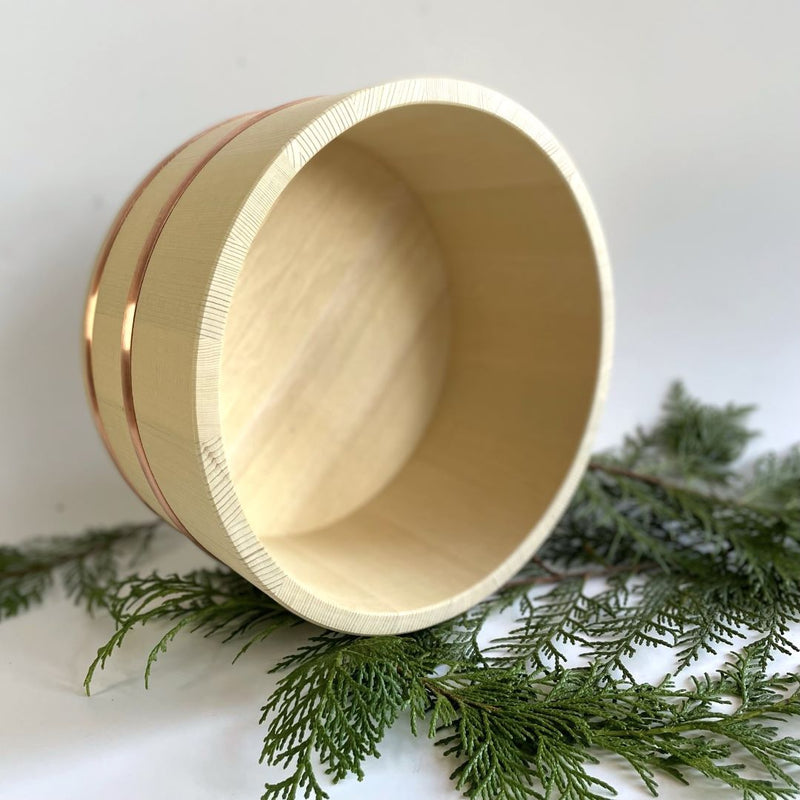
[693, 442]
[213, 602]
[86, 566]
[518, 734]
[666, 544]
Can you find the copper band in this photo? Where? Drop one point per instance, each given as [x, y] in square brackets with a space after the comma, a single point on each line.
[94, 288]
[133, 298]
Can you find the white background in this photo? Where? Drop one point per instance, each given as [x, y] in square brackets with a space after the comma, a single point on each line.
[684, 119]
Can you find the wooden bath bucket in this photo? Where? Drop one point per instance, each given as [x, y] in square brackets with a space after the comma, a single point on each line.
[356, 347]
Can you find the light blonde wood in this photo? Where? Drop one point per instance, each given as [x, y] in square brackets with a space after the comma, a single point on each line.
[369, 351]
[116, 275]
[336, 344]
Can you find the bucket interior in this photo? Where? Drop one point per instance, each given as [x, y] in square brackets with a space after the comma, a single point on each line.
[410, 358]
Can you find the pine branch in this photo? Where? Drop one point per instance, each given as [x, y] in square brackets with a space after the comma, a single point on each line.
[516, 735]
[521, 735]
[693, 442]
[83, 564]
[546, 623]
[714, 569]
[335, 705]
[212, 602]
[775, 481]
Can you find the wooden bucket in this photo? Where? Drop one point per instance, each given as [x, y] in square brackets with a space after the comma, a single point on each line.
[356, 347]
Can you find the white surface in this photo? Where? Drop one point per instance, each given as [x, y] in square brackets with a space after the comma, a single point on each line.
[684, 119]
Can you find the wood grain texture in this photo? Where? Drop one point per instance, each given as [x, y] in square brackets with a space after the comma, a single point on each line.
[370, 349]
[114, 273]
[336, 344]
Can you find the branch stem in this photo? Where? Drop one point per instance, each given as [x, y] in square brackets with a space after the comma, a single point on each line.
[671, 486]
[554, 576]
[708, 725]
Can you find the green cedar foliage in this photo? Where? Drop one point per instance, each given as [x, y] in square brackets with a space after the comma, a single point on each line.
[86, 566]
[664, 545]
